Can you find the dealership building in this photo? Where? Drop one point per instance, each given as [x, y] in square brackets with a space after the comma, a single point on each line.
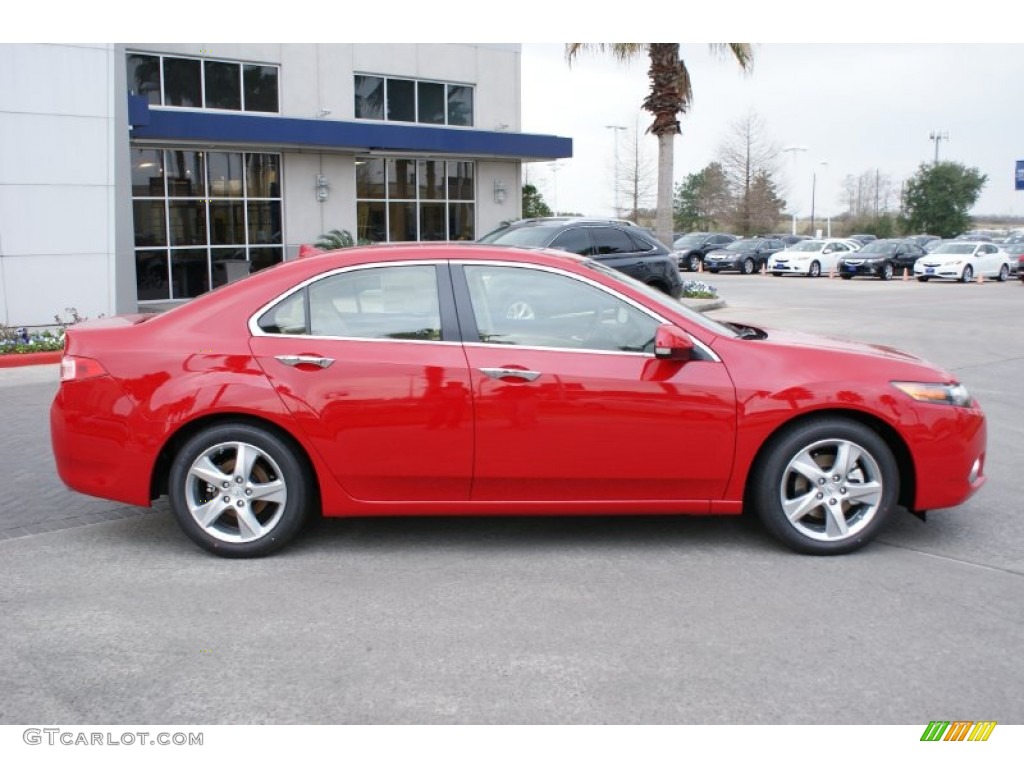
[137, 176]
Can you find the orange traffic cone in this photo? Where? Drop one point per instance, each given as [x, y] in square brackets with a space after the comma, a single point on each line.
[764, 269]
[831, 272]
[700, 266]
[981, 278]
[906, 273]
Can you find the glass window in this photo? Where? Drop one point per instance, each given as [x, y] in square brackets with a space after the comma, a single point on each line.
[460, 105]
[370, 178]
[190, 272]
[186, 174]
[259, 84]
[461, 224]
[369, 97]
[377, 303]
[150, 223]
[223, 85]
[216, 232]
[372, 222]
[401, 179]
[401, 222]
[432, 224]
[608, 241]
[431, 179]
[144, 77]
[460, 181]
[401, 100]
[147, 173]
[288, 316]
[431, 105]
[639, 244]
[225, 169]
[530, 307]
[574, 241]
[182, 83]
[263, 175]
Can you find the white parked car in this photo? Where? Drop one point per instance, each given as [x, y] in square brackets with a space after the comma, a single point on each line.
[810, 257]
[963, 261]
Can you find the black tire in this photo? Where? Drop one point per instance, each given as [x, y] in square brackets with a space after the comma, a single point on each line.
[693, 262]
[922, 279]
[794, 490]
[815, 270]
[1004, 272]
[886, 273]
[847, 277]
[747, 267]
[713, 271]
[967, 274]
[215, 506]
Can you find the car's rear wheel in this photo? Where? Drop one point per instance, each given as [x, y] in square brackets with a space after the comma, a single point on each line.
[1004, 272]
[825, 486]
[748, 266]
[815, 270]
[886, 273]
[238, 490]
[967, 274]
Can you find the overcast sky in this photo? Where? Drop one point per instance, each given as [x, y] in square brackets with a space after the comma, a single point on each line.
[855, 107]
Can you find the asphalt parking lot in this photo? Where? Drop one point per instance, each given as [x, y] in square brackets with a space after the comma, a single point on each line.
[110, 615]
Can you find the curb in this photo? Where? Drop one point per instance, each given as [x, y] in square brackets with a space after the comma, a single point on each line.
[703, 305]
[14, 360]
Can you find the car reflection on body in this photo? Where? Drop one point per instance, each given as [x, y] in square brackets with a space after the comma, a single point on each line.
[393, 380]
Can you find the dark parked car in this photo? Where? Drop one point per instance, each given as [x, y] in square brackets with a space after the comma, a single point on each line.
[882, 259]
[863, 238]
[622, 246]
[693, 247]
[746, 256]
[1016, 251]
[922, 240]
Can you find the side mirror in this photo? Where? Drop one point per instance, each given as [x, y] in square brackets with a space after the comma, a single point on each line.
[670, 343]
[827, 250]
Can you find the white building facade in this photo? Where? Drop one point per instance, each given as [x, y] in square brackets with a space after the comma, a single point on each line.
[137, 176]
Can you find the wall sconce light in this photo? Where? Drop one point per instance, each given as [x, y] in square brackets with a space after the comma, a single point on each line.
[321, 187]
[499, 191]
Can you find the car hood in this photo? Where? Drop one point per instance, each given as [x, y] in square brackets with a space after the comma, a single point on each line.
[810, 341]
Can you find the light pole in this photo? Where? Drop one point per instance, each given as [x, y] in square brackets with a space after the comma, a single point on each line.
[794, 151]
[937, 136]
[814, 188]
[555, 167]
[615, 149]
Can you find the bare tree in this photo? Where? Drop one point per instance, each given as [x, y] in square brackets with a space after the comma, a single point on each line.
[747, 155]
[869, 195]
[637, 175]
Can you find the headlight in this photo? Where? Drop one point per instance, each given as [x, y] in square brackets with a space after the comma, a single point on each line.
[925, 392]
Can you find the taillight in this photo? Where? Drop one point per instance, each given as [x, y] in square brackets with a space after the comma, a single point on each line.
[74, 368]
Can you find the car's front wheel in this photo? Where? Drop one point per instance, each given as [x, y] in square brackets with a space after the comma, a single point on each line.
[967, 274]
[922, 279]
[815, 270]
[1004, 272]
[693, 262]
[826, 486]
[239, 490]
[748, 266]
[886, 273]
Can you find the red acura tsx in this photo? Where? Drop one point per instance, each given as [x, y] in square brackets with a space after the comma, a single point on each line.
[443, 379]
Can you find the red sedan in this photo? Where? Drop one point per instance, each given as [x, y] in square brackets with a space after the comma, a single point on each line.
[468, 380]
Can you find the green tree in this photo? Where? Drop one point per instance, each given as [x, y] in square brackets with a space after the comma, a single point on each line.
[533, 203]
[702, 200]
[762, 205]
[670, 95]
[937, 198]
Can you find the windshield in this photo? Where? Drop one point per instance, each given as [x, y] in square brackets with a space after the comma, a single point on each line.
[877, 247]
[664, 300]
[687, 241]
[742, 245]
[807, 245]
[955, 248]
[526, 236]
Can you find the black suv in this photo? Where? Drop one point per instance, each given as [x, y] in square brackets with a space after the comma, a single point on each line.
[617, 244]
[882, 259]
[691, 248]
[747, 255]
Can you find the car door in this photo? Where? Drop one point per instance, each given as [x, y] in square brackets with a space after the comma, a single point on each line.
[369, 364]
[572, 405]
[615, 248]
[990, 260]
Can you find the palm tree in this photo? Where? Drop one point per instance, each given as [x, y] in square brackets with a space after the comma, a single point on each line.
[670, 95]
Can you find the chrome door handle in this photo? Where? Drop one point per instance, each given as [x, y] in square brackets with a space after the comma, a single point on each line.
[293, 360]
[510, 373]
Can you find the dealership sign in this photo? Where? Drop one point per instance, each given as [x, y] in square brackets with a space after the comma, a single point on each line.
[1020, 175]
